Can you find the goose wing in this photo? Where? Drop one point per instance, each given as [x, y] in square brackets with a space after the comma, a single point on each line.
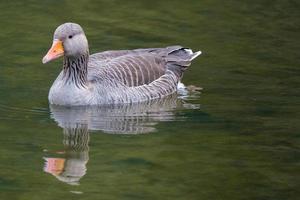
[141, 66]
[131, 68]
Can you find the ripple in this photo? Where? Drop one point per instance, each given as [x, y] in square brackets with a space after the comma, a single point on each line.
[20, 113]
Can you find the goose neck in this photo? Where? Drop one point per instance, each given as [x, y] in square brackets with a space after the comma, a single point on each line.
[75, 70]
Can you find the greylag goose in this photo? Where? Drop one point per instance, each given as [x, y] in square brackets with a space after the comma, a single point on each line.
[112, 77]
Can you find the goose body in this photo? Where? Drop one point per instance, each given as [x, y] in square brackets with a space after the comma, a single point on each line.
[113, 77]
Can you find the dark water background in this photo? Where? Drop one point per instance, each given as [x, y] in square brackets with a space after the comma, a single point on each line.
[238, 139]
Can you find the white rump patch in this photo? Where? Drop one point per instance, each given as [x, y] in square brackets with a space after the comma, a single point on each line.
[180, 86]
[181, 89]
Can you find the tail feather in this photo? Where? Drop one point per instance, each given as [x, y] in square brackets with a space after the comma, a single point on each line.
[196, 54]
[179, 58]
[179, 53]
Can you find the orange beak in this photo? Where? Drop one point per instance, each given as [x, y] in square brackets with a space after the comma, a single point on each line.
[54, 166]
[56, 51]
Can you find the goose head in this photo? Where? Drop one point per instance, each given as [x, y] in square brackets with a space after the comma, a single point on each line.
[69, 40]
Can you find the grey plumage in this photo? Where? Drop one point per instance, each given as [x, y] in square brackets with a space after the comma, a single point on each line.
[113, 77]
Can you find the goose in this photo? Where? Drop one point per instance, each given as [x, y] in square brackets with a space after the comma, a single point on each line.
[115, 76]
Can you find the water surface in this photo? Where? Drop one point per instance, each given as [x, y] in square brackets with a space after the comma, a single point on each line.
[238, 139]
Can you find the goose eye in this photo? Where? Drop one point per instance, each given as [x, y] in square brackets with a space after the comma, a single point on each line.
[70, 36]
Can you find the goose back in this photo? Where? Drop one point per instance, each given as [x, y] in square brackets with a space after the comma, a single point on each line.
[140, 66]
[129, 76]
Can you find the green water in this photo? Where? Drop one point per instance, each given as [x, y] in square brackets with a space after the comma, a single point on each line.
[238, 139]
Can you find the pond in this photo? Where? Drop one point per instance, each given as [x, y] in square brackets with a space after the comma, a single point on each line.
[238, 138]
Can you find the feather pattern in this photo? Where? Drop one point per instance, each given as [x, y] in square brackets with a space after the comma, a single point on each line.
[114, 77]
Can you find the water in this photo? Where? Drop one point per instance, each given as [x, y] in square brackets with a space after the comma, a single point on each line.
[238, 139]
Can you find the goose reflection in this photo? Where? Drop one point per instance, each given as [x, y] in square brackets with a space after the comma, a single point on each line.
[77, 122]
[118, 119]
[72, 166]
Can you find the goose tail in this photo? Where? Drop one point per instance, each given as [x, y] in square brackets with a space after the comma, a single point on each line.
[192, 54]
[196, 54]
[179, 58]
